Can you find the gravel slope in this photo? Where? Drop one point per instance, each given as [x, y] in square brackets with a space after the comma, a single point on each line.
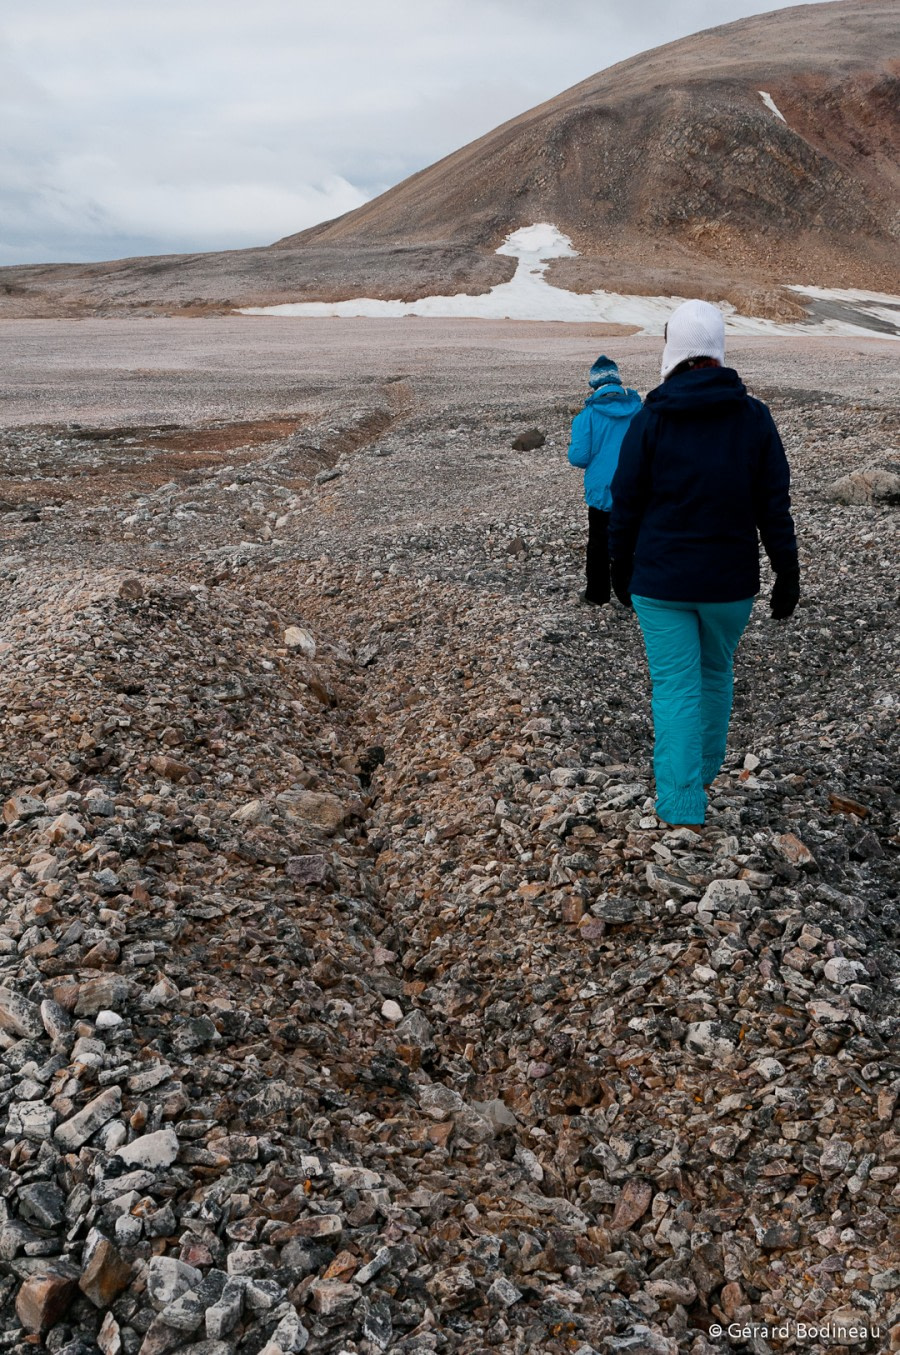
[351, 998]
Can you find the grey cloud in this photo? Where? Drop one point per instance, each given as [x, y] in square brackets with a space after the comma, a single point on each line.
[204, 124]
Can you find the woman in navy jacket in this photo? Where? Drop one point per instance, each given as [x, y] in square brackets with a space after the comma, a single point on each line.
[702, 476]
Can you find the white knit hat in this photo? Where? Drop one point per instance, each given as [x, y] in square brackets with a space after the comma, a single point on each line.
[695, 330]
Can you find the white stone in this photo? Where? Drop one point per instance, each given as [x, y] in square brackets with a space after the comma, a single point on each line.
[840, 970]
[354, 1178]
[722, 895]
[159, 1149]
[768, 1068]
[288, 1338]
[31, 1120]
[64, 827]
[168, 1279]
[105, 1020]
[225, 1313]
[709, 1038]
[392, 1011]
[253, 812]
[295, 637]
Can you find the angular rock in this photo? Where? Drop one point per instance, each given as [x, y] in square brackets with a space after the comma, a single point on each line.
[723, 895]
[632, 1204]
[714, 1039]
[168, 1279]
[43, 1203]
[33, 1120]
[333, 1298]
[74, 1132]
[109, 1337]
[317, 808]
[157, 1150]
[22, 806]
[312, 869]
[18, 1016]
[105, 1275]
[792, 850]
[109, 991]
[44, 1300]
[295, 637]
[223, 1316]
[288, 1338]
[503, 1293]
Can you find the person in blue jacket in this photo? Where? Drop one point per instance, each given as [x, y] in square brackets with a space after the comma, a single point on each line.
[597, 433]
[702, 476]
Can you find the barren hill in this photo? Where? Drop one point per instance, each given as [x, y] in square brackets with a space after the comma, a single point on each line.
[677, 147]
[670, 172]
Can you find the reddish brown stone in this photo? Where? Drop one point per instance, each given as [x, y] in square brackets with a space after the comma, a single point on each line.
[105, 1275]
[842, 804]
[572, 909]
[170, 770]
[632, 1204]
[43, 1300]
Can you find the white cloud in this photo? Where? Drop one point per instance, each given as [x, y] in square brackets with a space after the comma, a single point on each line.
[164, 125]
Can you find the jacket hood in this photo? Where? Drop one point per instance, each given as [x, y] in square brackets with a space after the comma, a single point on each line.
[697, 389]
[615, 401]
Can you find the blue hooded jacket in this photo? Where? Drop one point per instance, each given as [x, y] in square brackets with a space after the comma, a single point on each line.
[701, 471]
[597, 434]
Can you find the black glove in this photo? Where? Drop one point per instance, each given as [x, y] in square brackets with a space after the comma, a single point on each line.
[785, 593]
[620, 578]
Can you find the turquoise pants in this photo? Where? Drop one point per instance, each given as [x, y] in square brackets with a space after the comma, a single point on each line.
[690, 649]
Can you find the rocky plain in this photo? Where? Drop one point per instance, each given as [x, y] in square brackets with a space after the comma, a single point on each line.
[352, 998]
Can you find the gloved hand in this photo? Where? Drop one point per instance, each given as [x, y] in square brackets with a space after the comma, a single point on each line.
[785, 593]
[620, 578]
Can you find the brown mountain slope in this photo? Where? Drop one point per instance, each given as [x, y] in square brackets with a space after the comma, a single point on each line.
[675, 149]
[668, 171]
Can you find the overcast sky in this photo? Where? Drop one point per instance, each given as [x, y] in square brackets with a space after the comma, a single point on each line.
[159, 126]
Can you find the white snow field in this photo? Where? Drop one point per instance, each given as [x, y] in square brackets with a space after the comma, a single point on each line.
[529, 296]
[770, 104]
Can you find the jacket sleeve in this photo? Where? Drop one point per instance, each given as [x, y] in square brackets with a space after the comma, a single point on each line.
[580, 450]
[773, 500]
[630, 488]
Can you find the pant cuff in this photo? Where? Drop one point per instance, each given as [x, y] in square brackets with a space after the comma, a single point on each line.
[685, 806]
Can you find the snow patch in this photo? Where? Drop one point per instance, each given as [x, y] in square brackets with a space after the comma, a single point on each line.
[879, 306]
[771, 105]
[540, 241]
[529, 296]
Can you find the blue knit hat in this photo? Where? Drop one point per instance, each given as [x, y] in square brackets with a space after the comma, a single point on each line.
[604, 373]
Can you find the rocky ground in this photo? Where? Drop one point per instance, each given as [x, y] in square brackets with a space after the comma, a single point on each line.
[352, 998]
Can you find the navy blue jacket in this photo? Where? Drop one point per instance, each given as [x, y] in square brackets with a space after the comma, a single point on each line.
[701, 470]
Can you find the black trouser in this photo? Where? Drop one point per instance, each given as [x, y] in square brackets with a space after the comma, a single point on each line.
[597, 561]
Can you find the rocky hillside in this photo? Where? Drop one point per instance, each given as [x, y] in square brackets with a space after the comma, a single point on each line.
[676, 148]
[669, 171]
